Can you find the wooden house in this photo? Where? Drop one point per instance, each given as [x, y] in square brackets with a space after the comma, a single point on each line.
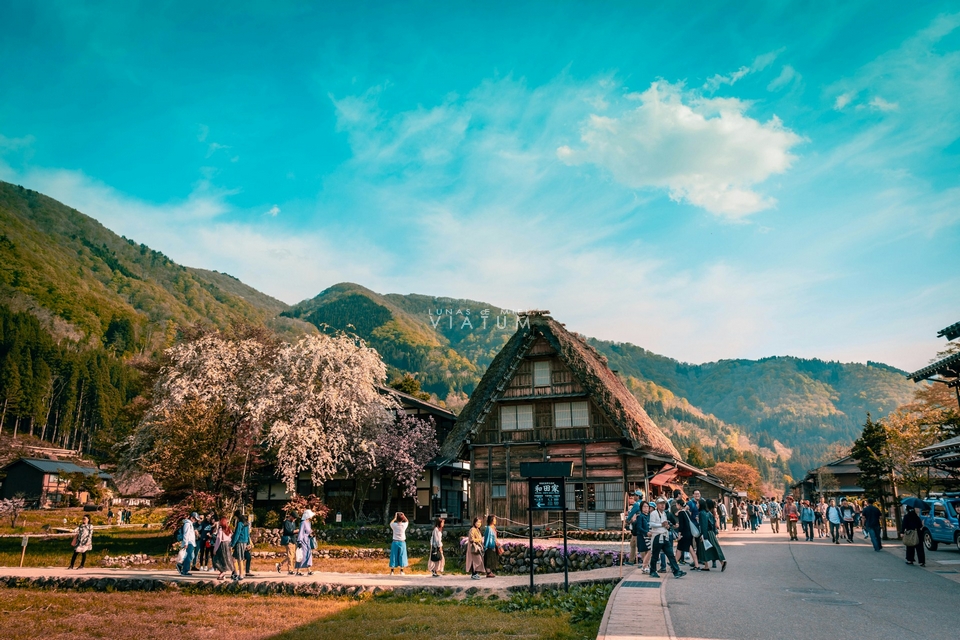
[840, 478]
[40, 481]
[548, 395]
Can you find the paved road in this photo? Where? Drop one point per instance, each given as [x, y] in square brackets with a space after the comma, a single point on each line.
[774, 588]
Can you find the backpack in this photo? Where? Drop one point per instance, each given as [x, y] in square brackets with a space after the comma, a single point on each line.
[180, 534]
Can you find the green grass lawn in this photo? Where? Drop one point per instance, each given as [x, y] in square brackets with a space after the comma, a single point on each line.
[46, 552]
[149, 616]
[43, 520]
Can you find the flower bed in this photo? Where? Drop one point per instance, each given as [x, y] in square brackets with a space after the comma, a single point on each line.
[550, 559]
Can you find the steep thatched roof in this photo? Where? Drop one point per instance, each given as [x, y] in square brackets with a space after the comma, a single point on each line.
[590, 368]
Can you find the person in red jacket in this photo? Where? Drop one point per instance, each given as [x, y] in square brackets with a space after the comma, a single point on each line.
[791, 514]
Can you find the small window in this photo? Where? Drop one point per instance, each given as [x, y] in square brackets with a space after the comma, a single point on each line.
[499, 491]
[517, 416]
[939, 511]
[572, 414]
[541, 373]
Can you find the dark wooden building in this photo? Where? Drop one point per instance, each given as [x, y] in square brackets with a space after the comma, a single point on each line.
[550, 395]
[39, 481]
[840, 478]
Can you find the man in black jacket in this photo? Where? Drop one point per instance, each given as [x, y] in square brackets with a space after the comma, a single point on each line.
[871, 522]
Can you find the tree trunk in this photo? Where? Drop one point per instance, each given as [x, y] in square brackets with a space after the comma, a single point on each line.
[16, 426]
[3, 416]
[387, 494]
[896, 513]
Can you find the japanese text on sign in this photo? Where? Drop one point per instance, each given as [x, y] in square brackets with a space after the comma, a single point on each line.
[546, 495]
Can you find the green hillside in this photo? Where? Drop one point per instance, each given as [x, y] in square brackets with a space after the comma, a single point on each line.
[79, 278]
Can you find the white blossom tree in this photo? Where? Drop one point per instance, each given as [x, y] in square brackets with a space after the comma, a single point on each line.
[326, 406]
[403, 448]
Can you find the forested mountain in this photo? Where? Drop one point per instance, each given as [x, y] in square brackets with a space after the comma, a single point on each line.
[780, 407]
[78, 304]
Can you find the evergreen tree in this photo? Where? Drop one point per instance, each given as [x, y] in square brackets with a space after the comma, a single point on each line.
[875, 469]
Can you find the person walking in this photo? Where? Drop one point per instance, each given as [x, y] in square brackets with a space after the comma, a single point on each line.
[435, 564]
[708, 548]
[806, 520]
[687, 541]
[398, 548]
[736, 513]
[240, 544]
[222, 560]
[641, 530]
[204, 543]
[773, 510]
[792, 515]
[848, 515]
[82, 542]
[722, 516]
[474, 554]
[491, 547]
[188, 538]
[870, 517]
[913, 537]
[288, 538]
[660, 526]
[834, 519]
[629, 520]
[306, 543]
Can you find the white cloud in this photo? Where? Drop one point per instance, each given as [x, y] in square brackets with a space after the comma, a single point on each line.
[787, 75]
[760, 63]
[843, 100]
[879, 104]
[202, 132]
[273, 211]
[704, 151]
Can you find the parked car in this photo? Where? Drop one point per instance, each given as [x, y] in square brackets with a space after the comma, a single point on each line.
[941, 521]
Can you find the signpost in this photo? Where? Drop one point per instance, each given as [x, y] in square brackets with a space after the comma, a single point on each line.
[23, 544]
[547, 492]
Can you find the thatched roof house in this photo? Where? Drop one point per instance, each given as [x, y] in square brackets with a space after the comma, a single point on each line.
[549, 394]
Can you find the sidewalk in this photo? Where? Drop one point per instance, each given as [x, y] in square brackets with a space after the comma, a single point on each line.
[637, 609]
[367, 580]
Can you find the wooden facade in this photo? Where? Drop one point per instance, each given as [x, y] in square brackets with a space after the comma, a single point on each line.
[549, 396]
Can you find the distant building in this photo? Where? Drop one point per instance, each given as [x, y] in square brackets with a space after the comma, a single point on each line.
[840, 478]
[136, 490]
[40, 482]
[548, 395]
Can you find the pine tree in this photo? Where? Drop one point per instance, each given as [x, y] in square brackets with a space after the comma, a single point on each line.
[875, 469]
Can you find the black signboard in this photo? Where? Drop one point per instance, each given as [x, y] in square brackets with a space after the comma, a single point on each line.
[546, 494]
[546, 469]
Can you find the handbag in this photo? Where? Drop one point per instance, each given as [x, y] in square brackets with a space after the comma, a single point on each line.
[181, 555]
[476, 547]
[694, 530]
[707, 544]
[299, 556]
[436, 554]
[313, 543]
[911, 538]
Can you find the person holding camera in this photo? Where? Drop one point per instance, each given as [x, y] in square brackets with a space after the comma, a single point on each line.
[660, 526]
[398, 549]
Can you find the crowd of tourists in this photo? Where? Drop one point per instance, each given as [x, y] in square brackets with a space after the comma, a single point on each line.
[691, 523]
[209, 544]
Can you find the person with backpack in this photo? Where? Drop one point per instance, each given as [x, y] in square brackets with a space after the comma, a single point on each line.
[722, 516]
[834, 519]
[848, 515]
[792, 515]
[204, 543]
[187, 536]
[288, 538]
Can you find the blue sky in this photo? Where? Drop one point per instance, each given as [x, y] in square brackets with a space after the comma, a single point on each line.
[706, 180]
